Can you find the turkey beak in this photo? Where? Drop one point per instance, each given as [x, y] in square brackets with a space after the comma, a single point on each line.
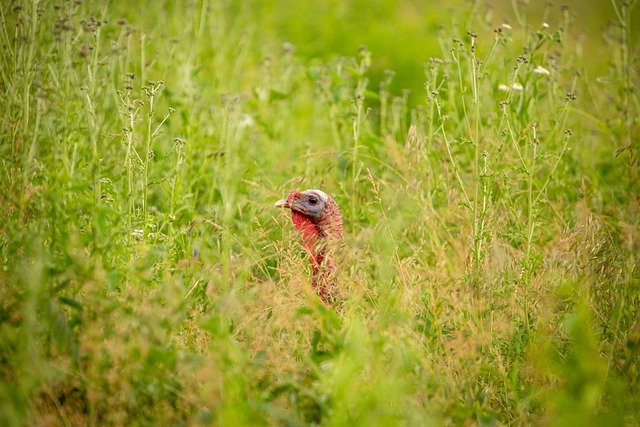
[282, 203]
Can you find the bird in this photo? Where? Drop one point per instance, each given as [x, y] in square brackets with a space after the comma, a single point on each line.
[316, 217]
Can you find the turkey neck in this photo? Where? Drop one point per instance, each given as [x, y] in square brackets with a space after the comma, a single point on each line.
[314, 237]
[318, 238]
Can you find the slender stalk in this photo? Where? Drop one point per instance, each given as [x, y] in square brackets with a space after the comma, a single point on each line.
[132, 113]
[447, 144]
[147, 153]
[432, 90]
[531, 209]
[91, 96]
[28, 66]
[175, 186]
[478, 209]
[627, 89]
[531, 203]
[358, 122]
[33, 147]
[357, 129]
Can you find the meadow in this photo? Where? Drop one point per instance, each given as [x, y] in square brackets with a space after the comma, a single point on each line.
[484, 156]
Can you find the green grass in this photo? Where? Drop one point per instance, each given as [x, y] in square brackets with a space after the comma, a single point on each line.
[489, 272]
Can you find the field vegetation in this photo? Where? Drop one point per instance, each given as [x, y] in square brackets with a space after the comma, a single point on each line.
[484, 156]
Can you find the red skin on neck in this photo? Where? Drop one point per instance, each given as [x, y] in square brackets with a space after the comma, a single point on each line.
[310, 235]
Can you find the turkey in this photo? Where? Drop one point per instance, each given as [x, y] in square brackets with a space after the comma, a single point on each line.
[316, 217]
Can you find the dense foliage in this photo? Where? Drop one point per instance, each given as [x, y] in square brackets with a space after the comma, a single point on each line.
[489, 270]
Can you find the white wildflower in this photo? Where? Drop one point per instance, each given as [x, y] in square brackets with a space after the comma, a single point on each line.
[541, 70]
[545, 25]
[504, 87]
[246, 121]
[517, 86]
[137, 233]
[288, 47]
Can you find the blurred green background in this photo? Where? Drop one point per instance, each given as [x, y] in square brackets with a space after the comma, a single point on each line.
[402, 35]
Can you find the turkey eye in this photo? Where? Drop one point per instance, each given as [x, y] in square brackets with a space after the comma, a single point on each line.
[313, 200]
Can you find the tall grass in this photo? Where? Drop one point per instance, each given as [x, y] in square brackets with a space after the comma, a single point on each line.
[490, 269]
